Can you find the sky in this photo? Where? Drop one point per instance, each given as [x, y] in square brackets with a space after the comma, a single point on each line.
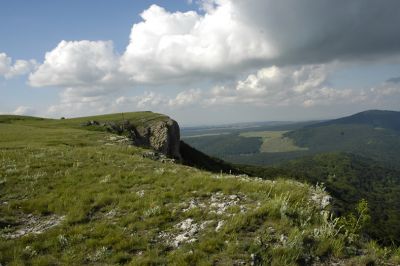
[200, 61]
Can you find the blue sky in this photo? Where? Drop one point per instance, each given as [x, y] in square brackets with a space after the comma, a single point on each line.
[31, 28]
[210, 61]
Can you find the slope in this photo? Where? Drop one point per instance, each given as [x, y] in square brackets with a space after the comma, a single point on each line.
[75, 196]
[350, 178]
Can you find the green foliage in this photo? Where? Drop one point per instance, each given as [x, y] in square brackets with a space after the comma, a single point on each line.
[349, 179]
[353, 223]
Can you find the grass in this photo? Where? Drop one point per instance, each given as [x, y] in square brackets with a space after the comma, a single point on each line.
[135, 118]
[116, 207]
[274, 141]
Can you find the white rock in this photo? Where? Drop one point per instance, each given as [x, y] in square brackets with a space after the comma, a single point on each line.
[219, 225]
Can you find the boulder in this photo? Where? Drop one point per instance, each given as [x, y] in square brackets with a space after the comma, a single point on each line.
[162, 136]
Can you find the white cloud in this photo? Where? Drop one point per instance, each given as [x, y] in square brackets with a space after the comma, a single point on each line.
[219, 44]
[164, 47]
[302, 86]
[71, 106]
[74, 104]
[77, 64]
[153, 100]
[149, 100]
[187, 45]
[186, 98]
[24, 110]
[273, 87]
[233, 36]
[230, 38]
[20, 67]
[387, 93]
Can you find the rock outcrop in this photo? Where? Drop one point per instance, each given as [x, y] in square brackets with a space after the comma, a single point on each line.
[162, 136]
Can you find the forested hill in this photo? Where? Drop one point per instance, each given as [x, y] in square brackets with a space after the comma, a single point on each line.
[374, 118]
[373, 134]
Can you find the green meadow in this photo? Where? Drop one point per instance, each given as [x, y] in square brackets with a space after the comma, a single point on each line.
[71, 195]
[274, 141]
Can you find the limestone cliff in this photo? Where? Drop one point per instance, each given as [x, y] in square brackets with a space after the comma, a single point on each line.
[162, 136]
[145, 129]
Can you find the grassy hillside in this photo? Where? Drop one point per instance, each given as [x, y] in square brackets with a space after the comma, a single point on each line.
[135, 118]
[72, 196]
[348, 179]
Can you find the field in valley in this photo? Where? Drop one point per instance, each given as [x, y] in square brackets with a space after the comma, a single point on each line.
[273, 141]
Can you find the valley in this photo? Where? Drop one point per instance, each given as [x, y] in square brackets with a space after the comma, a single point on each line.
[354, 157]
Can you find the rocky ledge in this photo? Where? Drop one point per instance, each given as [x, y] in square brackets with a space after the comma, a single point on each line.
[161, 135]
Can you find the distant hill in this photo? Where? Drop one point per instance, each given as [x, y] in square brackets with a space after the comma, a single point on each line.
[374, 118]
[373, 134]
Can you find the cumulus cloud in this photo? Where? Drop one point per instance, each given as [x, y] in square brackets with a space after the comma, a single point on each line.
[78, 64]
[229, 38]
[274, 86]
[72, 105]
[389, 90]
[150, 99]
[180, 45]
[286, 44]
[186, 98]
[286, 86]
[24, 110]
[8, 69]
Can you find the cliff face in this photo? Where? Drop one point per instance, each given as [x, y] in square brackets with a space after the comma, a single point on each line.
[162, 136]
[148, 130]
